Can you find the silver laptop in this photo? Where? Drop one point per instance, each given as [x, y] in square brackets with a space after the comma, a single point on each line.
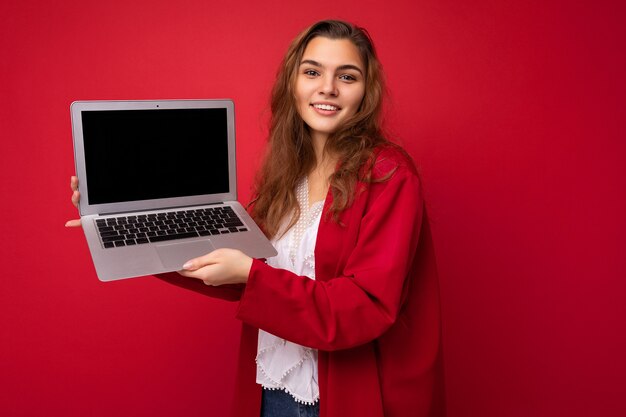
[158, 184]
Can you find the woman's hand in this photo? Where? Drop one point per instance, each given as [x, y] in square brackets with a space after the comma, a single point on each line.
[75, 200]
[222, 266]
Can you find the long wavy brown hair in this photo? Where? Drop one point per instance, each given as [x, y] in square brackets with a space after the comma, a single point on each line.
[290, 154]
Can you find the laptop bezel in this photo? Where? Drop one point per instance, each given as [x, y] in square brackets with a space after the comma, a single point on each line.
[86, 209]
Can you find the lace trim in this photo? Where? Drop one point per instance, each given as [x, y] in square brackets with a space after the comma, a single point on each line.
[308, 215]
[279, 383]
[285, 373]
[298, 400]
[309, 260]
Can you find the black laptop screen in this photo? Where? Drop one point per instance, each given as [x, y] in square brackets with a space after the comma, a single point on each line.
[133, 155]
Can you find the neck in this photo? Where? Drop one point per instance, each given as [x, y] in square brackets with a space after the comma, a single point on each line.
[319, 142]
[324, 162]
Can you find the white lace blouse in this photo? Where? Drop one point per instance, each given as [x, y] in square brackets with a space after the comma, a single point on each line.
[282, 364]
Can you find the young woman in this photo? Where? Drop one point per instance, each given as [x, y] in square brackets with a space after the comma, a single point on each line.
[345, 320]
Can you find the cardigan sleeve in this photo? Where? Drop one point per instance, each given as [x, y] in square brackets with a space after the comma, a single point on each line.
[361, 303]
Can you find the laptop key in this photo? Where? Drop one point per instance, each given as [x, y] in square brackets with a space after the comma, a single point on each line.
[109, 244]
[173, 237]
[233, 223]
[112, 238]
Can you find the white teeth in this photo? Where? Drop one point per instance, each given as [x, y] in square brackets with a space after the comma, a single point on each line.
[325, 107]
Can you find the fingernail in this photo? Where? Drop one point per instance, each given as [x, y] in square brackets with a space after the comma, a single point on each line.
[188, 265]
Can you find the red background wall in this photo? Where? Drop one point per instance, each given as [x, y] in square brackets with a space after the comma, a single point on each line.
[514, 111]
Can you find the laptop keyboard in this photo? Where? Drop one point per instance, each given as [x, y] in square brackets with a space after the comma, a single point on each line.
[159, 227]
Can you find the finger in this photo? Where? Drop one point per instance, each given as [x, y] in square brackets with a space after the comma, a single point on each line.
[75, 198]
[210, 275]
[74, 183]
[73, 223]
[185, 273]
[197, 263]
[192, 274]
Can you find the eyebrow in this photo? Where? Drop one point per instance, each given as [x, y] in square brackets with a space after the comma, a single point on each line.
[341, 67]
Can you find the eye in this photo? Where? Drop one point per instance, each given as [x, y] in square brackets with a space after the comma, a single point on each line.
[347, 77]
[311, 73]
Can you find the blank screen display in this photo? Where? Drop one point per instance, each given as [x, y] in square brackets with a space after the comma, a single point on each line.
[133, 155]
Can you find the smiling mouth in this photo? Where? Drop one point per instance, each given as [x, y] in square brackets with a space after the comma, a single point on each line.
[326, 107]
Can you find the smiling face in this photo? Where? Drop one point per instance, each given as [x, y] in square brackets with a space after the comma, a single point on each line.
[330, 85]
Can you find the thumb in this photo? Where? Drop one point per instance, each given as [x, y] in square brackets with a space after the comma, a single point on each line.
[199, 262]
[73, 223]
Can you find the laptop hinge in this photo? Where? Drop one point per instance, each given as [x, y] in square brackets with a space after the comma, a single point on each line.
[115, 213]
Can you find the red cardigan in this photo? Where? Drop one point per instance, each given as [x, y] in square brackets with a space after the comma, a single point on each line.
[372, 312]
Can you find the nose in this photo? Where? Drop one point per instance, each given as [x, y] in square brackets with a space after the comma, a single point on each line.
[328, 87]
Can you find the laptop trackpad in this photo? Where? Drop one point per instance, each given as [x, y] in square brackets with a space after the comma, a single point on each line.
[174, 255]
